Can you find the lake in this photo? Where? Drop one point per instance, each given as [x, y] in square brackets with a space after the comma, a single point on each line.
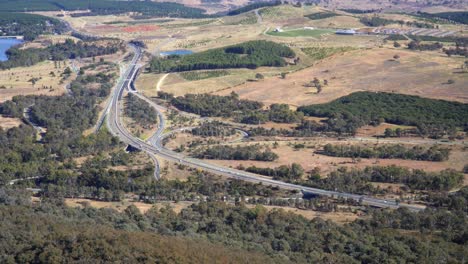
[176, 52]
[5, 44]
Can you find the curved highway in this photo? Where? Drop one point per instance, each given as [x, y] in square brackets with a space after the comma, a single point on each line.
[154, 147]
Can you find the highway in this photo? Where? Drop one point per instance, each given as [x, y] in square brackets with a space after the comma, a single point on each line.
[154, 147]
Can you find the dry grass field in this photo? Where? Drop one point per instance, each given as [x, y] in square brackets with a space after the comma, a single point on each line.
[7, 122]
[16, 81]
[121, 206]
[337, 217]
[416, 73]
[310, 160]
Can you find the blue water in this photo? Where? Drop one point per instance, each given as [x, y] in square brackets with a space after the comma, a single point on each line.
[176, 52]
[5, 44]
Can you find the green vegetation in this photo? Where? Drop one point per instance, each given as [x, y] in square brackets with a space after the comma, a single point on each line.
[376, 21]
[140, 111]
[395, 37]
[319, 53]
[321, 15]
[28, 25]
[214, 105]
[251, 54]
[246, 111]
[58, 52]
[456, 201]
[300, 32]
[103, 7]
[60, 234]
[460, 17]
[359, 180]
[200, 75]
[213, 129]
[417, 45]
[284, 172]
[250, 152]
[251, 7]
[66, 118]
[97, 240]
[432, 117]
[387, 152]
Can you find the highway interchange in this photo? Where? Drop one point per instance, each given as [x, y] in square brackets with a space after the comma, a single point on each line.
[154, 146]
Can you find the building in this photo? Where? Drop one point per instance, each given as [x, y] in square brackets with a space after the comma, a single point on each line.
[346, 32]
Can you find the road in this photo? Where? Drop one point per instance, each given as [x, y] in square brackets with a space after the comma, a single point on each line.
[154, 147]
[259, 17]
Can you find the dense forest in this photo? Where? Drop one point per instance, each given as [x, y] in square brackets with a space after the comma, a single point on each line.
[104, 7]
[29, 25]
[250, 152]
[252, 6]
[375, 21]
[431, 116]
[251, 54]
[321, 15]
[243, 111]
[65, 118]
[93, 240]
[285, 173]
[213, 129]
[140, 111]
[222, 232]
[58, 52]
[434, 153]
[460, 17]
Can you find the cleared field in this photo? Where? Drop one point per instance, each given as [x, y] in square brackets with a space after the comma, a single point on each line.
[337, 22]
[310, 160]
[121, 206]
[416, 73]
[300, 33]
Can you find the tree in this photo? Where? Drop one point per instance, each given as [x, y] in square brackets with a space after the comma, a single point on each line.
[396, 44]
[259, 76]
[67, 71]
[283, 75]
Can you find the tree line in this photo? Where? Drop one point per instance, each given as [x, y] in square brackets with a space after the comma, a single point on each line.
[65, 118]
[241, 110]
[140, 111]
[414, 237]
[398, 151]
[252, 6]
[369, 108]
[375, 21]
[58, 52]
[251, 54]
[29, 26]
[359, 180]
[249, 152]
[105, 7]
[213, 129]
